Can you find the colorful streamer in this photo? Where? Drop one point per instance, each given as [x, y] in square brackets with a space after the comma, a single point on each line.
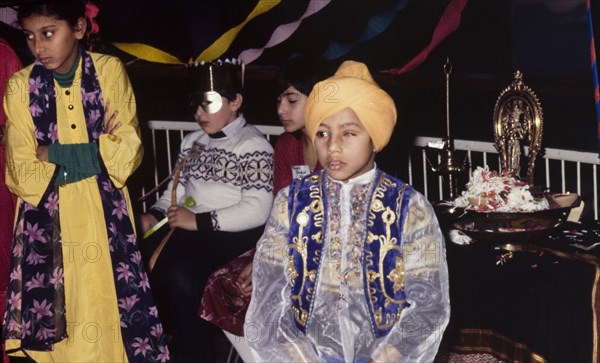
[221, 45]
[375, 25]
[594, 67]
[283, 31]
[148, 53]
[449, 22]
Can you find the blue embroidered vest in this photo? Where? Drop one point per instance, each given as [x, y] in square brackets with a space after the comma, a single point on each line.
[383, 271]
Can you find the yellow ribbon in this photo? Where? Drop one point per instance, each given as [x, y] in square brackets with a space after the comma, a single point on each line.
[219, 46]
[224, 42]
[148, 53]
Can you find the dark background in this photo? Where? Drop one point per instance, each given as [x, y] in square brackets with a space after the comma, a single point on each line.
[547, 40]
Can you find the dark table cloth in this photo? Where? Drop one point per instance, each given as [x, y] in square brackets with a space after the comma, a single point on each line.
[535, 301]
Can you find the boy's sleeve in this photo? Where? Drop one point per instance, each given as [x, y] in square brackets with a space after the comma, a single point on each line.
[269, 328]
[122, 151]
[417, 335]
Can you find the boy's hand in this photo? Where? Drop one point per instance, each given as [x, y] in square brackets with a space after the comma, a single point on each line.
[147, 221]
[182, 217]
[244, 282]
[42, 153]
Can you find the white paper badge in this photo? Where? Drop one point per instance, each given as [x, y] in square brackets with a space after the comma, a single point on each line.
[300, 171]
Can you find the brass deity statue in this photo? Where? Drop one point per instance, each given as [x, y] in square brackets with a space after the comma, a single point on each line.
[518, 128]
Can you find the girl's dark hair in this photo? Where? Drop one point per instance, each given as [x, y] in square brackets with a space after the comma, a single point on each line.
[68, 10]
[301, 73]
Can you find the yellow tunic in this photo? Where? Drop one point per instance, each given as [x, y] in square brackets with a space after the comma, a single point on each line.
[91, 303]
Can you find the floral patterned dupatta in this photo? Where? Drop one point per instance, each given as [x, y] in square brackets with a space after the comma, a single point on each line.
[36, 301]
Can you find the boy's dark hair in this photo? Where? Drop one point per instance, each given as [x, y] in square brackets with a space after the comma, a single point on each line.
[301, 73]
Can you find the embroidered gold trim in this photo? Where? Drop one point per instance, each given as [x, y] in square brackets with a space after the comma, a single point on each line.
[300, 244]
[387, 244]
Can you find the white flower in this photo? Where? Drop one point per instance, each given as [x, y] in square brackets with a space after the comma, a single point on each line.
[488, 191]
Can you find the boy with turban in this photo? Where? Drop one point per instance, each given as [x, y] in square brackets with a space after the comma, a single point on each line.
[351, 267]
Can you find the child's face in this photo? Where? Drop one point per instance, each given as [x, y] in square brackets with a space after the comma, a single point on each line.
[344, 147]
[52, 41]
[212, 123]
[290, 108]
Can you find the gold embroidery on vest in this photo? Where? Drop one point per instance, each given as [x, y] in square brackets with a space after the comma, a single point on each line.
[291, 269]
[300, 244]
[397, 275]
[378, 317]
[387, 244]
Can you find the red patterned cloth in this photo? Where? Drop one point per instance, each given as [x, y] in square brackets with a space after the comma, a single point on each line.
[222, 303]
[10, 64]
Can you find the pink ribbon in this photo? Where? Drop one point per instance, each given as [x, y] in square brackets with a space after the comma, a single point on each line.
[283, 32]
[91, 11]
[449, 22]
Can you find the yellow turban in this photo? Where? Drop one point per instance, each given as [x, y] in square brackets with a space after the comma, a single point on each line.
[352, 86]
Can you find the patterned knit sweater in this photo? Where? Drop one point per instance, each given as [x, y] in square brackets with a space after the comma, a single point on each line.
[230, 178]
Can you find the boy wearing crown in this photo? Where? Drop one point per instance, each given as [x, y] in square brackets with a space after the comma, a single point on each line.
[223, 197]
[352, 265]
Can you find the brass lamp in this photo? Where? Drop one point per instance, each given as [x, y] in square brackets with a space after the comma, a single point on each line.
[448, 167]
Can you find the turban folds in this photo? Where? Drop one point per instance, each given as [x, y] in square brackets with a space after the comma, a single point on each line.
[352, 86]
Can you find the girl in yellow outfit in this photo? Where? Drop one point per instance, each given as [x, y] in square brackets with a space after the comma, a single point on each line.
[78, 291]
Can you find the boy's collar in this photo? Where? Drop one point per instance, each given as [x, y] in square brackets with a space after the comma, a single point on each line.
[364, 178]
[229, 129]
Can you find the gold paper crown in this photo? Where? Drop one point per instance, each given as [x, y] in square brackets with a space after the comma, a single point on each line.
[225, 77]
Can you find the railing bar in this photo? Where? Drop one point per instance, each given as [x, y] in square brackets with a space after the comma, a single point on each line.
[425, 189]
[547, 163]
[154, 156]
[270, 130]
[595, 170]
[578, 178]
[410, 172]
[173, 125]
[482, 146]
[500, 164]
[440, 181]
[169, 151]
[144, 201]
[582, 156]
[562, 175]
[469, 156]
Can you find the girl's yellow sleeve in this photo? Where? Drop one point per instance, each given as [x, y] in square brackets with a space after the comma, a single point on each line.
[26, 176]
[122, 151]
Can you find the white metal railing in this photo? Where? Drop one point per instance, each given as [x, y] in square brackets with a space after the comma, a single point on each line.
[562, 170]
